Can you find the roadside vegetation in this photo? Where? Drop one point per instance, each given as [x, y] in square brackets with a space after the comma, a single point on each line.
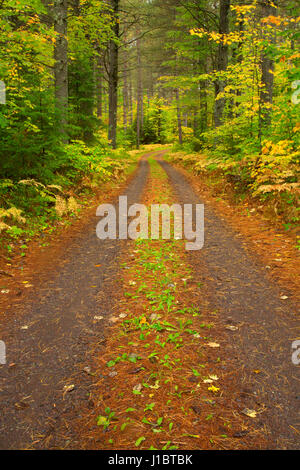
[30, 206]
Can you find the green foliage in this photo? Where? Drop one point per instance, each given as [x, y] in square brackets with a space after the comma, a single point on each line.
[256, 147]
[28, 206]
[158, 123]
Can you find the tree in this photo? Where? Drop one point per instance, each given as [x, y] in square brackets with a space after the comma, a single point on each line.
[267, 8]
[113, 72]
[60, 13]
[222, 61]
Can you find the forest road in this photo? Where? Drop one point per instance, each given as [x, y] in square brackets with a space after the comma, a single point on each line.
[47, 375]
[48, 341]
[267, 325]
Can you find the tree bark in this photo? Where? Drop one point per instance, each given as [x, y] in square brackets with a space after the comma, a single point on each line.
[60, 10]
[130, 97]
[113, 77]
[267, 67]
[222, 60]
[125, 91]
[99, 87]
[179, 118]
[140, 110]
[125, 99]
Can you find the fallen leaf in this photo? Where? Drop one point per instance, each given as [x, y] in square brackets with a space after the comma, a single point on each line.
[213, 389]
[69, 388]
[156, 386]
[249, 413]
[113, 319]
[214, 377]
[113, 374]
[138, 387]
[213, 345]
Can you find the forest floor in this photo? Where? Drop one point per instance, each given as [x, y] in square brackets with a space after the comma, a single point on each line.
[122, 345]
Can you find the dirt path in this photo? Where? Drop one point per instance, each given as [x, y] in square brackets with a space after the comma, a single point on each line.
[267, 324]
[48, 342]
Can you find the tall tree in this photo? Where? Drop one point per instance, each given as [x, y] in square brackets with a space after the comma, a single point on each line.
[222, 60]
[113, 71]
[60, 13]
[140, 110]
[267, 8]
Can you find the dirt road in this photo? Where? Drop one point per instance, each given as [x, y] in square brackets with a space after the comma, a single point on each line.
[47, 374]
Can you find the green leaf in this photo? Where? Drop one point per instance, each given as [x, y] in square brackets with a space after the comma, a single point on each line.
[102, 421]
[139, 441]
[149, 407]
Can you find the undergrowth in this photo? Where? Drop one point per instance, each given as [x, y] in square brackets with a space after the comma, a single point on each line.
[33, 204]
[270, 180]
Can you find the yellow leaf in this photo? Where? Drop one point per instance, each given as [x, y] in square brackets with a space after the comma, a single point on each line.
[213, 389]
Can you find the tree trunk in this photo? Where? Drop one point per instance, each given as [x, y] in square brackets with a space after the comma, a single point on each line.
[113, 77]
[140, 111]
[60, 10]
[203, 105]
[125, 89]
[130, 97]
[125, 99]
[99, 87]
[179, 118]
[222, 60]
[267, 68]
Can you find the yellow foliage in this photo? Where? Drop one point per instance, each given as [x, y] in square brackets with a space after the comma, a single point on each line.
[11, 213]
[60, 206]
[72, 205]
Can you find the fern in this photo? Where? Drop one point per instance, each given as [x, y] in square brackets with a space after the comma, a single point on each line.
[13, 214]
